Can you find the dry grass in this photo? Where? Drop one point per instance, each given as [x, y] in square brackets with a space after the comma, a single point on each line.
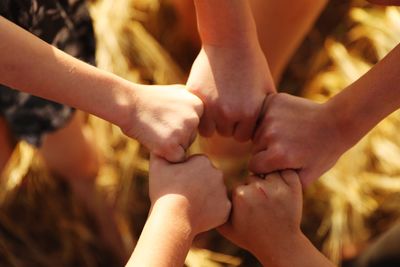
[42, 223]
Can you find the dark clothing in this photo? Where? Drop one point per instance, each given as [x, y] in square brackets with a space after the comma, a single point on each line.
[65, 24]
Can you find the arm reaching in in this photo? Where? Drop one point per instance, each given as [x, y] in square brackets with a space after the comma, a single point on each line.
[230, 75]
[266, 221]
[187, 199]
[296, 133]
[163, 118]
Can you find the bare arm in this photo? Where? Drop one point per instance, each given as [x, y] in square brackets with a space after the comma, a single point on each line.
[165, 239]
[225, 22]
[230, 75]
[286, 139]
[266, 221]
[163, 118]
[282, 26]
[31, 65]
[370, 99]
[187, 199]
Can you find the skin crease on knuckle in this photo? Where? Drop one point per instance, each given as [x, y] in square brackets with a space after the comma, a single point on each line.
[278, 152]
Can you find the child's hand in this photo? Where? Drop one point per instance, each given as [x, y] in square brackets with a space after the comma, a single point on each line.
[266, 221]
[296, 133]
[266, 215]
[194, 187]
[165, 120]
[232, 83]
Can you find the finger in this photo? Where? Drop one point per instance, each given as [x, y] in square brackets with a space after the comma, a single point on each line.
[260, 141]
[176, 154]
[252, 178]
[192, 139]
[270, 185]
[307, 177]
[199, 107]
[265, 162]
[273, 180]
[244, 130]
[206, 125]
[264, 107]
[261, 120]
[292, 179]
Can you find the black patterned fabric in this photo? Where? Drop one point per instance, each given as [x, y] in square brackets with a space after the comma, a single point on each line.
[65, 24]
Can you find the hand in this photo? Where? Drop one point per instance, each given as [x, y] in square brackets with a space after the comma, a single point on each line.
[195, 186]
[232, 83]
[296, 133]
[166, 119]
[266, 215]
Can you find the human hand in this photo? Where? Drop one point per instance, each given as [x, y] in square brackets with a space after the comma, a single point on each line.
[195, 187]
[165, 120]
[232, 82]
[296, 133]
[266, 215]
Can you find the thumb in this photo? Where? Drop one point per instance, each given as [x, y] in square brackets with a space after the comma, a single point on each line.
[265, 162]
[292, 179]
[175, 154]
[307, 177]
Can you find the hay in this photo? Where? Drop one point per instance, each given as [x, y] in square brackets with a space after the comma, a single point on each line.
[42, 223]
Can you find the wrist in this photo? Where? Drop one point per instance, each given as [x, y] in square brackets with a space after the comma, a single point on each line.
[284, 252]
[225, 23]
[175, 209]
[347, 120]
[127, 103]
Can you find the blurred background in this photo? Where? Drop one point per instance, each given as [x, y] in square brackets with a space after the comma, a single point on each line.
[45, 222]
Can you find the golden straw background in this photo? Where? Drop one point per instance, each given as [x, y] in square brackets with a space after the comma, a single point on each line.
[43, 224]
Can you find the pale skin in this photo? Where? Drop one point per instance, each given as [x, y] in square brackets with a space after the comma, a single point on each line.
[163, 118]
[230, 75]
[187, 199]
[273, 233]
[280, 31]
[302, 127]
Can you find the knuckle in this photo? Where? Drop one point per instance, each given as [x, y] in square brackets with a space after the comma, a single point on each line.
[279, 152]
[169, 147]
[192, 122]
[194, 87]
[248, 114]
[271, 133]
[227, 112]
[197, 102]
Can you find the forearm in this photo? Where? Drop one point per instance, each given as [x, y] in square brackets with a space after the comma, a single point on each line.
[282, 26]
[298, 251]
[165, 239]
[31, 65]
[225, 22]
[370, 99]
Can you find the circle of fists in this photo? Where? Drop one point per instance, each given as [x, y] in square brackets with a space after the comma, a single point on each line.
[234, 95]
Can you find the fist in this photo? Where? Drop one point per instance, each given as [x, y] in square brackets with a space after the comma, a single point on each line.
[266, 213]
[196, 185]
[166, 120]
[296, 133]
[232, 83]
